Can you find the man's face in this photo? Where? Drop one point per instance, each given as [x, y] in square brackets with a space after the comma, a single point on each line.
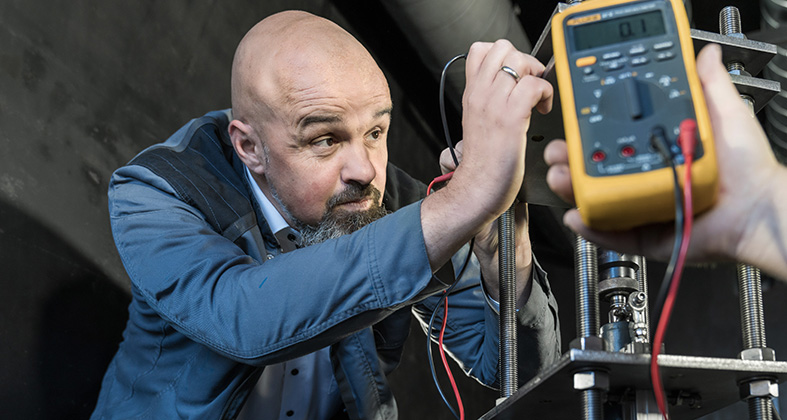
[325, 148]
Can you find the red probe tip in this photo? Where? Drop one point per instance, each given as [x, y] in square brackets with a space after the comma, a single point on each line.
[688, 136]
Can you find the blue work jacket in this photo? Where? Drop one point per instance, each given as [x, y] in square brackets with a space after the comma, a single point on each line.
[214, 300]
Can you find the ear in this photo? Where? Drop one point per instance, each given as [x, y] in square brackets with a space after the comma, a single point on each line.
[247, 145]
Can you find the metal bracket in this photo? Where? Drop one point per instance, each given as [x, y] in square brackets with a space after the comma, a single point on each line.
[754, 55]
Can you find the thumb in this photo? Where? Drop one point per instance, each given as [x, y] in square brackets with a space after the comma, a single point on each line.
[447, 163]
[720, 94]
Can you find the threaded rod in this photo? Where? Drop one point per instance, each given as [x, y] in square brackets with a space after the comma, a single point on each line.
[752, 318]
[591, 404]
[506, 231]
[760, 408]
[586, 266]
[730, 21]
[642, 280]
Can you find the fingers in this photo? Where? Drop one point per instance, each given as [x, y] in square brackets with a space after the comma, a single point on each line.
[475, 57]
[558, 175]
[534, 92]
[503, 89]
[447, 163]
[497, 106]
[556, 152]
[485, 60]
[531, 89]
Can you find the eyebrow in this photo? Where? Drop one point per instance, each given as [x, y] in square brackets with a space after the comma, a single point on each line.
[318, 119]
[386, 111]
[331, 119]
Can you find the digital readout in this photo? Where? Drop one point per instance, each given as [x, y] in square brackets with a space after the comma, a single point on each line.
[615, 31]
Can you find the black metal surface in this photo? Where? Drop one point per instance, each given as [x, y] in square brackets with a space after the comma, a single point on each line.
[695, 385]
[543, 129]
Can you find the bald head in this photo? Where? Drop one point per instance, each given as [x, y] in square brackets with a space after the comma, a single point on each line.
[288, 52]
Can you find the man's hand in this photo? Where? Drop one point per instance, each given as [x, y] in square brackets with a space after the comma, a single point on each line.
[496, 115]
[741, 225]
[487, 244]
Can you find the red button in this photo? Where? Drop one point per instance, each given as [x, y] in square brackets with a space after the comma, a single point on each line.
[598, 156]
[627, 151]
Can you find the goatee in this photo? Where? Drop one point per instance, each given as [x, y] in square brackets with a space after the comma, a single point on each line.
[337, 222]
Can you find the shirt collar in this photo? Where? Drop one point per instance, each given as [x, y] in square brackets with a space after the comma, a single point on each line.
[275, 220]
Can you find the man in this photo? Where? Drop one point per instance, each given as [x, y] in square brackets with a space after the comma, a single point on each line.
[748, 223]
[226, 295]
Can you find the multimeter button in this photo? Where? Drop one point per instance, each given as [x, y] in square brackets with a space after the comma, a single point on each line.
[663, 56]
[674, 93]
[598, 156]
[627, 151]
[611, 55]
[615, 65]
[663, 45]
[587, 70]
[637, 50]
[638, 61]
[586, 61]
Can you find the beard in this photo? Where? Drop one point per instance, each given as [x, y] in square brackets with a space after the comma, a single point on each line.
[336, 222]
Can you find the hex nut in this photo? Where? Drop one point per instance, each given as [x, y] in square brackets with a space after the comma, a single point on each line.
[758, 388]
[591, 380]
[736, 35]
[587, 343]
[758, 353]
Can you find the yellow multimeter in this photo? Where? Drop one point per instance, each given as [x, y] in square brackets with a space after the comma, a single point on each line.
[625, 72]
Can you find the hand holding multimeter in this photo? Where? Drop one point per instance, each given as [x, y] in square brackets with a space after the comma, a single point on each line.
[627, 79]
[749, 217]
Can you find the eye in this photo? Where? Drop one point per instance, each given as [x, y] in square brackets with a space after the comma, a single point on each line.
[325, 142]
[376, 134]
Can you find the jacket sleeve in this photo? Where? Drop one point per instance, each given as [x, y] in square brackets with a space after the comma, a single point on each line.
[210, 290]
[472, 334]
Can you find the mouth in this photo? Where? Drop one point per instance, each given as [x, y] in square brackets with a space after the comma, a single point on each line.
[354, 199]
[356, 205]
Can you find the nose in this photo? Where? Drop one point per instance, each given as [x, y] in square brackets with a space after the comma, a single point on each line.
[358, 166]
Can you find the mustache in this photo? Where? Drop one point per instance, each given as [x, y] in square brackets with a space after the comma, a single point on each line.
[354, 192]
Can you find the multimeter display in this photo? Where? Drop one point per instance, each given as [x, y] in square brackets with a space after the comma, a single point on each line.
[626, 76]
[615, 31]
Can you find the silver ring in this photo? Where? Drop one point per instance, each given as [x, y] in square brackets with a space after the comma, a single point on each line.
[511, 72]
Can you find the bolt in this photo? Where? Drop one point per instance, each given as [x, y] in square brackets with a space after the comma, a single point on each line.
[730, 22]
[730, 25]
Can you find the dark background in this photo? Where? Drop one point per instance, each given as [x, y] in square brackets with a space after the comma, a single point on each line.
[86, 84]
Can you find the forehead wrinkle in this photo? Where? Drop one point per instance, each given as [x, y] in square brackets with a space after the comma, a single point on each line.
[312, 105]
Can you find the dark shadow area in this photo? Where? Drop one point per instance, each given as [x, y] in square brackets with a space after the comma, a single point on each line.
[61, 321]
